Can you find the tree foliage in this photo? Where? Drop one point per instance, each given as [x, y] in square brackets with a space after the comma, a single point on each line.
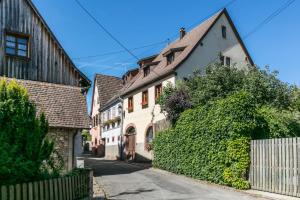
[24, 151]
[86, 135]
[174, 101]
[219, 81]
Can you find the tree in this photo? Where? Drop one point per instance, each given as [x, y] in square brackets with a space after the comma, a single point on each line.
[86, 135]
[174, 100]
[24, 149]
[220, 81]
[296, 99]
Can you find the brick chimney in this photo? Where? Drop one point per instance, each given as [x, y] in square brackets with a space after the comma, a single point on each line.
[182, 32]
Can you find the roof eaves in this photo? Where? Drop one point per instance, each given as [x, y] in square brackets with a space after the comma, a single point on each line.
[148, 82]
[147, 58]
[56, 40]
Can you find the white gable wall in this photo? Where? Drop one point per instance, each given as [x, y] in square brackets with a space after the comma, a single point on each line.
[213, 44]
[95, 131]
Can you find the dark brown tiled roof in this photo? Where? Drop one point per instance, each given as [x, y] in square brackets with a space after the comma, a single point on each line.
[108, 86]
[64, 106]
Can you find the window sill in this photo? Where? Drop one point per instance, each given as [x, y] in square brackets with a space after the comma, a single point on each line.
[145, 106]
[130, 110]
[26, 59]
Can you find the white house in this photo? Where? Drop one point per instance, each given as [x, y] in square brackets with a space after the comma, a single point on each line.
[111, 116]
[105, 87]
[214, 40]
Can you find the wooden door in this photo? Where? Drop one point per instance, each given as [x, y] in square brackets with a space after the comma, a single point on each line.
[130, 146]
[131, 143]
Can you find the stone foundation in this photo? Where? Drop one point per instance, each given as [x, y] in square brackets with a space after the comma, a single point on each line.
[63, 140]
[142, 155]
[112, 152]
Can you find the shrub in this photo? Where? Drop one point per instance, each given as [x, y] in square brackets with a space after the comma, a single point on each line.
[174, 100]
[204, 140]
[23, 147]
[238, 161]
[276, 123]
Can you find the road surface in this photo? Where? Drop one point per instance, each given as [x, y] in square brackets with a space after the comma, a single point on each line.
[122, 181]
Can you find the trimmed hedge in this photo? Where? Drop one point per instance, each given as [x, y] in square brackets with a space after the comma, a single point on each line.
[210, 142]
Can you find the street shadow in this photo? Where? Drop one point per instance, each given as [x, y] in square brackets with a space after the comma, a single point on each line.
[103, 167]
[138, 191]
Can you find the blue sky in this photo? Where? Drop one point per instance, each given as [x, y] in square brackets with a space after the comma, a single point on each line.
[139, 22]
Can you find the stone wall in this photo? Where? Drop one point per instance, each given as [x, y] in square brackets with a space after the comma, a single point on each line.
[63, 139]
[141, 154]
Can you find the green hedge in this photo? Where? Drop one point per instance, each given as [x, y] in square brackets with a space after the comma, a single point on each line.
[210, 142]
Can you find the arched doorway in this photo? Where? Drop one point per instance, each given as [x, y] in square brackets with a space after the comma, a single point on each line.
[130, 143]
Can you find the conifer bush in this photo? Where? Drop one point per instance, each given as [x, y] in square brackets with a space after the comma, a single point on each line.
[24, 149]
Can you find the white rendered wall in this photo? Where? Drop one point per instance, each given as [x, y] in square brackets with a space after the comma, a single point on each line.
[142, 118]
[95, 131]
[209, 52]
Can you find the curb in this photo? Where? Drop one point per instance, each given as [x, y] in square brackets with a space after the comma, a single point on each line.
[98, 192]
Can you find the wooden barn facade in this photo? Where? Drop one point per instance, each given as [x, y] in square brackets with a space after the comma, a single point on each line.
[29, 49]
[30, 53]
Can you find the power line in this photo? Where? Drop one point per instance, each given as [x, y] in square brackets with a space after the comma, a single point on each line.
[105, 30]
[208, 16]
[145, 46]
[269, 18]
[121, 51]
[212, 13]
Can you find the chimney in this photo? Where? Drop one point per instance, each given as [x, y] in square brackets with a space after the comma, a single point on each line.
[182, 32]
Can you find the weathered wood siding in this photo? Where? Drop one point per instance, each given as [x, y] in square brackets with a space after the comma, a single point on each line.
[48, 62]
[275, 166]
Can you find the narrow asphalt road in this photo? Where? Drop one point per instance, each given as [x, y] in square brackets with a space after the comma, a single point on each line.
[122, 181]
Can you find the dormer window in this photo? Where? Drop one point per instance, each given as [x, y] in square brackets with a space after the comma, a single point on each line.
[146, 71]
[224, 32]
[171, 53]
[170, 58]
[17, 45]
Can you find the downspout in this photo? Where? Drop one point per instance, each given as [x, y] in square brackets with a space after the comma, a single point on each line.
[121, 135]
[73, 150]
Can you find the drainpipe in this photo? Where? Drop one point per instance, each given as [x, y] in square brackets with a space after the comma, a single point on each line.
[122, 119]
